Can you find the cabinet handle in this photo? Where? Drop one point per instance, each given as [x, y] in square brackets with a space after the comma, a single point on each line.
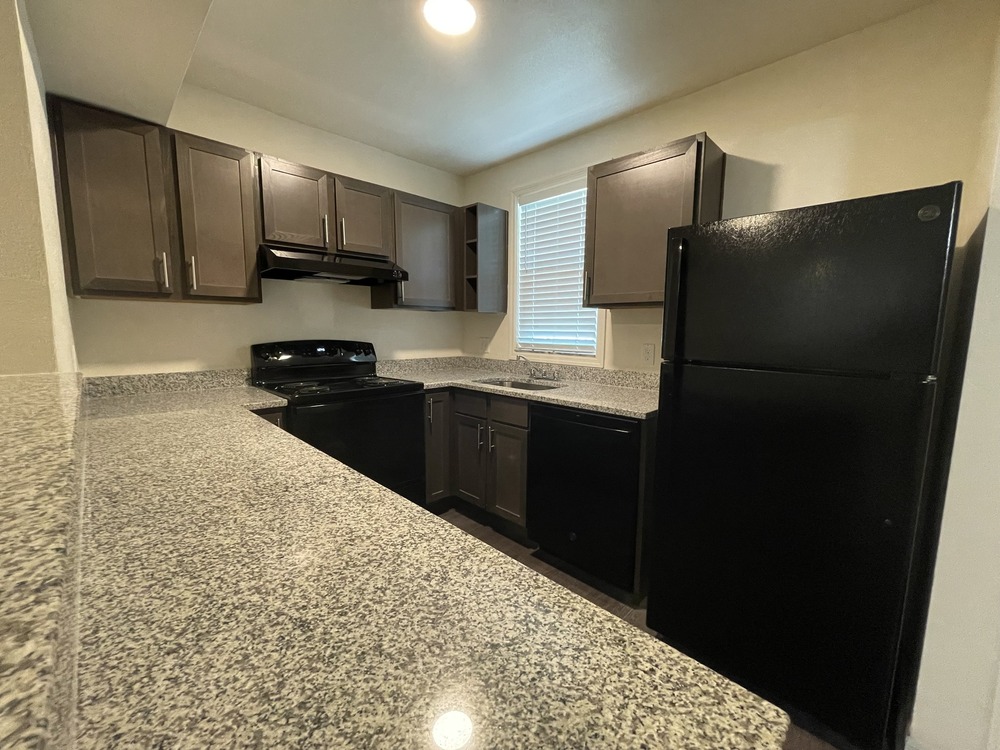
[586, 291]
[430, 412]
[479, 435]
[343, 232]
[489, 448]
[166, 271]
[194, 275]
[326, 231]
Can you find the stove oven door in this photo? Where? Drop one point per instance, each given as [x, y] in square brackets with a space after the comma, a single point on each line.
[380, 435]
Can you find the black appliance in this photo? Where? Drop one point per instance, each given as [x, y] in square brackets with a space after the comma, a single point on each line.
[802, 453]
[584, 492]
[278, 262]
[338, 404]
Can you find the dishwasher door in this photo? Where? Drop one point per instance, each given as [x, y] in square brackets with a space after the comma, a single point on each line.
[583, 490]
[382, 436]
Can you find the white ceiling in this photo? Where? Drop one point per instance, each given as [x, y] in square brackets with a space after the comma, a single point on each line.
[531, 72]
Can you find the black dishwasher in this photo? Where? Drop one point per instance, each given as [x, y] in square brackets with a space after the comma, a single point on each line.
[584, 487]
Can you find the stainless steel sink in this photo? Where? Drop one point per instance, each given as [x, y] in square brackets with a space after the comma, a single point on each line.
[524, 385]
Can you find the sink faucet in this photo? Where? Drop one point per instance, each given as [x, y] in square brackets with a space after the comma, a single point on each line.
[536, 372]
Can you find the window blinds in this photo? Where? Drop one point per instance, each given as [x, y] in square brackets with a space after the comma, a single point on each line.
[550, 277]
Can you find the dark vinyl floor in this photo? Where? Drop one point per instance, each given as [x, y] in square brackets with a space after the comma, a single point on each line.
[797, 738]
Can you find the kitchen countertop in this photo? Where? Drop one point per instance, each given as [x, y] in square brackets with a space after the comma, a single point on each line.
[238, 587]
[40, 451]
[639, 403]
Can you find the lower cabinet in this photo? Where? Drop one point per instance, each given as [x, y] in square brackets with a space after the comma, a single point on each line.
[275, 416]
[437, 438]
[507, 471]
[580, 488]
[490, 453]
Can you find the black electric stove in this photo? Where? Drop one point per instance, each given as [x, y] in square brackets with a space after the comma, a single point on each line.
[318, 391]
[338, 404]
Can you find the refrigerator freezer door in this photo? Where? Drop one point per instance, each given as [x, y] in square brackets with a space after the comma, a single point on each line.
[854, 286]
[784, 509]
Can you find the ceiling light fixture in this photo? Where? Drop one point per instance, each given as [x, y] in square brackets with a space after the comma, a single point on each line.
[451, 17]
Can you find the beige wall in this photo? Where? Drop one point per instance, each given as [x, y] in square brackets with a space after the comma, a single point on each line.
[958, 680]
[35, 335]
[118, 336]
[896, 106]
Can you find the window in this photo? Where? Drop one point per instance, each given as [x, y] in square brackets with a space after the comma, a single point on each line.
[549, 285]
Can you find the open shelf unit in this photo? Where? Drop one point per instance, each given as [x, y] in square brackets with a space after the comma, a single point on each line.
[482, 272]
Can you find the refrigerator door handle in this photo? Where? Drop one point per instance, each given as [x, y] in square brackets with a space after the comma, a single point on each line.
[675, 259]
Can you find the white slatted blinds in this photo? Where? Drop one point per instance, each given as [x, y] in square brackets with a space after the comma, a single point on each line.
[550, 277]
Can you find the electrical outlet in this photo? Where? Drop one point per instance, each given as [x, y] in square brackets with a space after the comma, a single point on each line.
[484, 344]
[648, 353]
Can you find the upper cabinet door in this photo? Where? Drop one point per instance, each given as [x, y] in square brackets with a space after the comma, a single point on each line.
[364, 218]
[631, 203]
[296, 203]
[215, 188]
[425, 248]
[113, 179]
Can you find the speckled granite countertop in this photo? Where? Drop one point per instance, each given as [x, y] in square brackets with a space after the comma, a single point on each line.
[241, 589]
[40, 451]
[610, 399]
[235, 587]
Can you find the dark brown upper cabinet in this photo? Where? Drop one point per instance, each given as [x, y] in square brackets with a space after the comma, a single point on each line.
[482, 260]
[426, 239]
[364, 218]
[297, 203]
[113, 179]
[631, 203]
[219, 236]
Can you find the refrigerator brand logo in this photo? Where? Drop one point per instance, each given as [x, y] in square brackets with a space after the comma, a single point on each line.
[929, 213]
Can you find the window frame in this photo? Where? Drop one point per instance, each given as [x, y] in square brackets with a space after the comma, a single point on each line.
[566, 183]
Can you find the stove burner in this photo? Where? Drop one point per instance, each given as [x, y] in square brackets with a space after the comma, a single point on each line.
[375, 381]
[306, 389]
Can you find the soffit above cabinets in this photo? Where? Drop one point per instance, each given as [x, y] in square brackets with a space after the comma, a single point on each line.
[530, 72]
[127, 55]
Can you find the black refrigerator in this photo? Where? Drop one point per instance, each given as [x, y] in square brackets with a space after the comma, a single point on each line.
[802, 453]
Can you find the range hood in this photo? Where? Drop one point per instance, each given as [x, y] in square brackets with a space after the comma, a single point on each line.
[278, 262]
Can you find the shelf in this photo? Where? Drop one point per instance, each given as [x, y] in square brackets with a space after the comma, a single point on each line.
[471, 290]
[482, 257]
[471, 223]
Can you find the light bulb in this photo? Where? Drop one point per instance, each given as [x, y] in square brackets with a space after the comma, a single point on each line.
[452, 17]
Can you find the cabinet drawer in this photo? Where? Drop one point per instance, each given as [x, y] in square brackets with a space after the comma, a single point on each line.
[473, 404]
[511, 411]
